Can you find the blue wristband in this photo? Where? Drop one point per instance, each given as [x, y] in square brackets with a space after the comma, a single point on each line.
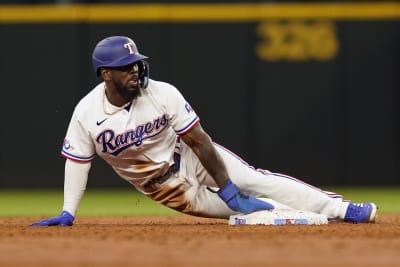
[240, 202]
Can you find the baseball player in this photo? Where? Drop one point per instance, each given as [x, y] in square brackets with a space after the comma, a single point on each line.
[153, 139]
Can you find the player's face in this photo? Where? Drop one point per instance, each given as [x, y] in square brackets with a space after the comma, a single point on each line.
[126, 80]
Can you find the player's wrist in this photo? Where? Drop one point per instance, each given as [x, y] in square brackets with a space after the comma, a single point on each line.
[240, 202]
[229, 191]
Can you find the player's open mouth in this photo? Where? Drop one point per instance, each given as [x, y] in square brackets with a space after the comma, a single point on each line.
[133, 82]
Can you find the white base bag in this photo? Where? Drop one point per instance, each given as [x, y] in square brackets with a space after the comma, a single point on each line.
[279, 217]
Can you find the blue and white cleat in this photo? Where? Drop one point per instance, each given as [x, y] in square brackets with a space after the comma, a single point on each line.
[361, 213]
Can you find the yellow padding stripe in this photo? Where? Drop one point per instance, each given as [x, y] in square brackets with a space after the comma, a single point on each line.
[243, 12]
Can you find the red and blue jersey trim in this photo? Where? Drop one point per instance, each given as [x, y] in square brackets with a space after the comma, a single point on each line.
[76, 158]
[188, 127]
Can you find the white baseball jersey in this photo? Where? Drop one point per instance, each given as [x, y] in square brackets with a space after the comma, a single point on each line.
[139, 140]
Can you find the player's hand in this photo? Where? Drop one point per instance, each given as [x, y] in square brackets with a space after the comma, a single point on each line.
[237, 201]
[64, 219]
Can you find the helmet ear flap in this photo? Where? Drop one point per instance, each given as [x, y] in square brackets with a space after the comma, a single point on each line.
[143, 74]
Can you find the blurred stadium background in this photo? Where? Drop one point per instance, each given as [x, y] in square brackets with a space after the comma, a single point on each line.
[306, 88]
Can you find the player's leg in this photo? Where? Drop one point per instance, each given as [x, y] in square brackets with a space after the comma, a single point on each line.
[293, 192]
[283, 189]
[189, 193]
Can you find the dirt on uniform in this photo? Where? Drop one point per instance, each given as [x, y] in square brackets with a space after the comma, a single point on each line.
[185, 241]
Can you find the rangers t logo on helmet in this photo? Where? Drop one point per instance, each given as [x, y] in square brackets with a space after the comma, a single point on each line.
[131, 47]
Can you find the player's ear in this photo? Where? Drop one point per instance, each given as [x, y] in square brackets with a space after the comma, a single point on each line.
[105, 74]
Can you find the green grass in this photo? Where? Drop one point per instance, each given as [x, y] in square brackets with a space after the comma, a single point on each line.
[94, 203]
[129, 202]
[387, 198]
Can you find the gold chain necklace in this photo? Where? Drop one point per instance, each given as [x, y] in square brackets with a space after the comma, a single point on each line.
[115, 111]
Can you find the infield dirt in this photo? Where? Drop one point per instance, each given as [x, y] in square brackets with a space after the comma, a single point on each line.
[190, 241]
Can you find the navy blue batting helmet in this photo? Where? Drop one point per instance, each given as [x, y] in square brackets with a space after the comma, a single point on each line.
[115, 51]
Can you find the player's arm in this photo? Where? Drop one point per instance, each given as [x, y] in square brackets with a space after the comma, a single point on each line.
[76, 176]
[200, 143]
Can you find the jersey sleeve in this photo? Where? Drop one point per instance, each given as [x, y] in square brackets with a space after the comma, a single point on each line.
[78, 145]
[183, 117]
[75, 181]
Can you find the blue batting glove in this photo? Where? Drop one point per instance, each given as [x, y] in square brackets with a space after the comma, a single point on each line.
[240, 202]
[64, 219]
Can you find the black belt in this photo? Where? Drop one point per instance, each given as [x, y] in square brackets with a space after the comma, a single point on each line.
[161, 179]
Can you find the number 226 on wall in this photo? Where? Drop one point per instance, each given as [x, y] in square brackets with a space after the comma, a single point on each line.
[297, 41]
